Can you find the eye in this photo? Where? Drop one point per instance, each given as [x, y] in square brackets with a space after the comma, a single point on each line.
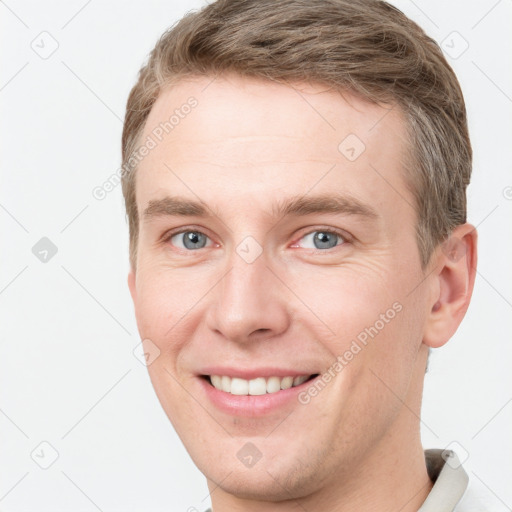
[189, 240]
[322, 239]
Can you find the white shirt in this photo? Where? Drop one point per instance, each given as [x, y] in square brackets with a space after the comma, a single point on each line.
[453, 491]
[450, 482]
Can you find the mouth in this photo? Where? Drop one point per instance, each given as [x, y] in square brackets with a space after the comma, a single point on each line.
[257, 386]
[257, 392]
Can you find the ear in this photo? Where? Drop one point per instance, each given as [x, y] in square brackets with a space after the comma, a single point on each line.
[452, 285]
[132, 285]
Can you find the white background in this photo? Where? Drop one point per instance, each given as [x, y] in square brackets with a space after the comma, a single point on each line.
[68, 375]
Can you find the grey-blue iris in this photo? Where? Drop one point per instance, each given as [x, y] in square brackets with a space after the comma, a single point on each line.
[191, 240]
[325, 240]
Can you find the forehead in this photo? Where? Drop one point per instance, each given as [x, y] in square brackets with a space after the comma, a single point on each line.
[233, 138]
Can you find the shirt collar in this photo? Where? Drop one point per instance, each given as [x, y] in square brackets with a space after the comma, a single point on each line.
[450, 481]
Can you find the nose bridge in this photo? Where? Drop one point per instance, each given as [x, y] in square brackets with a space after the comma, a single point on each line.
[247, 299]
[247, 277]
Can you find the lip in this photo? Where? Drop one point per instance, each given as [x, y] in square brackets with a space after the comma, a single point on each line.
[252, 373]
[253, 406]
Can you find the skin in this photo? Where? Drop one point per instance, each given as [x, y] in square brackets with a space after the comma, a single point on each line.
[248, 145]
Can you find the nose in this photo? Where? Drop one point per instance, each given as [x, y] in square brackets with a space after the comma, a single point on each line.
[249, 303]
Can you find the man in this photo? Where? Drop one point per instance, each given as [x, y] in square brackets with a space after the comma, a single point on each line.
[295, 180]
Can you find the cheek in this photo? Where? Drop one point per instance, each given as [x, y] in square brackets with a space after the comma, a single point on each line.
[158, 316]
[381, 372]
[348, 300]
[166, 299]
[377, 366]
[369, 318]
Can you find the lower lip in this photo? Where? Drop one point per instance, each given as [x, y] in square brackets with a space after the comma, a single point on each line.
[252, 405]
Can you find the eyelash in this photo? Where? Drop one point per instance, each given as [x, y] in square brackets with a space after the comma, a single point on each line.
[345, 237]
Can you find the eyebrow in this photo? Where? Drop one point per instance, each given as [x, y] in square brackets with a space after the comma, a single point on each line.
[295, 206]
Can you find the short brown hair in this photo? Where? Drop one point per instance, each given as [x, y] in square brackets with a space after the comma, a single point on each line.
[367, 47]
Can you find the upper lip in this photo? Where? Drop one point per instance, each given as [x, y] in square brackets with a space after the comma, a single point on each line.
[253, 373]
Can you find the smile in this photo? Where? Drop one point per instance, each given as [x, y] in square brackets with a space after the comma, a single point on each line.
[257, 386]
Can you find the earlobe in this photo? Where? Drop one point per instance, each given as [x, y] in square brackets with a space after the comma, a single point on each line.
[454, 278]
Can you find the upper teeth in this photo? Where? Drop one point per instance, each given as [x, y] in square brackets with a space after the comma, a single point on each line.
[258, 386]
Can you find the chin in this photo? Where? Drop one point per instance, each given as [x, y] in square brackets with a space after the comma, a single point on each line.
[261, 486]
[277, 479]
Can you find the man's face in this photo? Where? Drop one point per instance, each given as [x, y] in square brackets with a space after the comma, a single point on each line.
[305, 251]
